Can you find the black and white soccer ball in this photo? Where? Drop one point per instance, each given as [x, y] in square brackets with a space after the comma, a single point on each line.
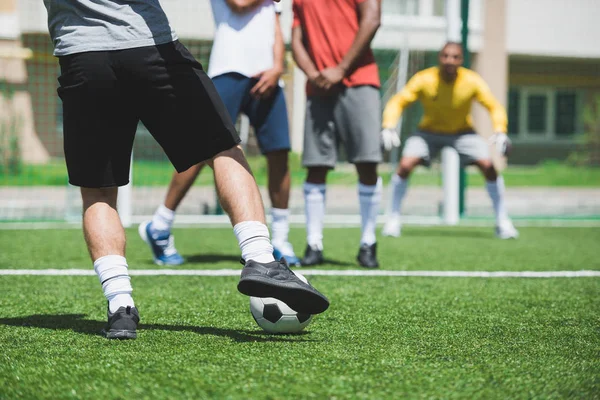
[275, 316]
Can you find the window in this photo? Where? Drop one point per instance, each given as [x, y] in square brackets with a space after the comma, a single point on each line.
[439, 8]
[537, 113]
[565, 113]
[542, 113]
[400, 7]
[514, 104]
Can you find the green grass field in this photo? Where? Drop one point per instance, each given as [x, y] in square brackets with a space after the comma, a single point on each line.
[159, 174]
[383, 337]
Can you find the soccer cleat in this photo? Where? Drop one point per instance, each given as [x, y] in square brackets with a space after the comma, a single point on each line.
[122, 324]
[392, 226]
[161, 243]
[286, 251]
[277, 280]
[312, 256]
[506, 230]
[367, 256]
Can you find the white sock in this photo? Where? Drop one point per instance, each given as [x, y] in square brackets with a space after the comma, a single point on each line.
[116, 283]
[370, 198]
[496, 191]
[253, 238]
[163, 219]
[399, 186]
[280, 226]
[314, 205]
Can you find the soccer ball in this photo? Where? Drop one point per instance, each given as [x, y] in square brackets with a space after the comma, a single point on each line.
[275, 316]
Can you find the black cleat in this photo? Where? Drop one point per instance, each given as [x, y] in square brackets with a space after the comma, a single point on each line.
[122, 324]
[311, 257]
[276, 279]
[367, 256]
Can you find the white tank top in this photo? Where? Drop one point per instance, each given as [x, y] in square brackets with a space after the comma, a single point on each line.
[243, 43]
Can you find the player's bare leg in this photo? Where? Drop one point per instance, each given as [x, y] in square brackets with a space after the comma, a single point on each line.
[105, 239]
[495, 187]
[262, 276]
[314, 211]
[399, 185]
[279, 193]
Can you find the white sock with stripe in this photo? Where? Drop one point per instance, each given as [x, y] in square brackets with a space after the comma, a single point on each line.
[254, 242]
[115, 281]
[399, 186]
[496, 192]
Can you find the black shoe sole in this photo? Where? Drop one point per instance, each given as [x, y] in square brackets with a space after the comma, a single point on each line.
[120, 334]
[300, 299]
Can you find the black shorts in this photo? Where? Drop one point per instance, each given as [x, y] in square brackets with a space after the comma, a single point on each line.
[106, 93]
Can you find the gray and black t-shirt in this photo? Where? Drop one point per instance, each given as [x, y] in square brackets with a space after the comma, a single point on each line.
[100, 25]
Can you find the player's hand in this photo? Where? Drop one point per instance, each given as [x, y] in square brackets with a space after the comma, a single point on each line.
[267, 83]
[390, 139]
[330, 77]
[502, 143]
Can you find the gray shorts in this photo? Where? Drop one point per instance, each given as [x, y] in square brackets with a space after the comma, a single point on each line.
[470, 146]
[351, 118]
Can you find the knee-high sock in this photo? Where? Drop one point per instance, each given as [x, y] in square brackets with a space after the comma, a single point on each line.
[496, 192]
[254, 242]
[370, 198]
[280, 226]
[115, 281]
[399, 186]
[314, 203]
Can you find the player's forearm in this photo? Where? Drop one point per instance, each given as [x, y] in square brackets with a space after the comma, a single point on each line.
[278, 47]
[368, 24]
[242, 6]
[393, 111]
[301, 56]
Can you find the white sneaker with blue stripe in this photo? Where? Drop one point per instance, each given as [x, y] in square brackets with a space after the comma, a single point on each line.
[162, 245]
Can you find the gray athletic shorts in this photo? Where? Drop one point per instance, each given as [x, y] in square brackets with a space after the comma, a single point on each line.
[351, 118]
[470, 146]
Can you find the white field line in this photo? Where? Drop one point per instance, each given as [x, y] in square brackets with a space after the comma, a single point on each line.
[323, 272]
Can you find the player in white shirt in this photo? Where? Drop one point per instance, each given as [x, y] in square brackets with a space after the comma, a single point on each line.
[246, 64]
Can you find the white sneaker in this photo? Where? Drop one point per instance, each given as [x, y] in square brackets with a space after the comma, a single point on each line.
[392, 226]
[506, 230]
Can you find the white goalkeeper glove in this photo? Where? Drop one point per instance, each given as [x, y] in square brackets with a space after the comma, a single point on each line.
[502, 143]
[390, 139]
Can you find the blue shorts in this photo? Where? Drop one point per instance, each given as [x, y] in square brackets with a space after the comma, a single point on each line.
[268, 117]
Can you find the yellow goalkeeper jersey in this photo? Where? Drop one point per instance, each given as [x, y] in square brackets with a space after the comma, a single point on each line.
[447, 106]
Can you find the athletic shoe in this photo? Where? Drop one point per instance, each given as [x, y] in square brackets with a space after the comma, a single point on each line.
[122, 324]
[392, 226]
[506, 230]
[367, 256]
[161, 243]
[276, 279]
[312, 256]
[286, 251]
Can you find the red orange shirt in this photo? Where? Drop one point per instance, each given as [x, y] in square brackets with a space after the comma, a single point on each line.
[329, 28]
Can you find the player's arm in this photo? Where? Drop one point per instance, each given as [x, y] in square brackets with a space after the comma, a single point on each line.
[397, 104]
[242, 6]
[301, 56]
[369, 20]
[268, 80]
[484, 95]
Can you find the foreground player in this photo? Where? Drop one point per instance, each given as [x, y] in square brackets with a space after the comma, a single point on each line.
[446, 93]
[331, 44]
[246, 63]
[122, 63]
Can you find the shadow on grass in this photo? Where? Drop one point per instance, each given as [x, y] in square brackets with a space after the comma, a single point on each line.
[212, 258]
[77, 323]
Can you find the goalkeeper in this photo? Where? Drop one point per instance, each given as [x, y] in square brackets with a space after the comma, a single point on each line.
[446, 93]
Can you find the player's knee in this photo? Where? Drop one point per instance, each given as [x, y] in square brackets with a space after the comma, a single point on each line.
[317, 175]
[405, 169]
[106, 195]
[488, 170]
